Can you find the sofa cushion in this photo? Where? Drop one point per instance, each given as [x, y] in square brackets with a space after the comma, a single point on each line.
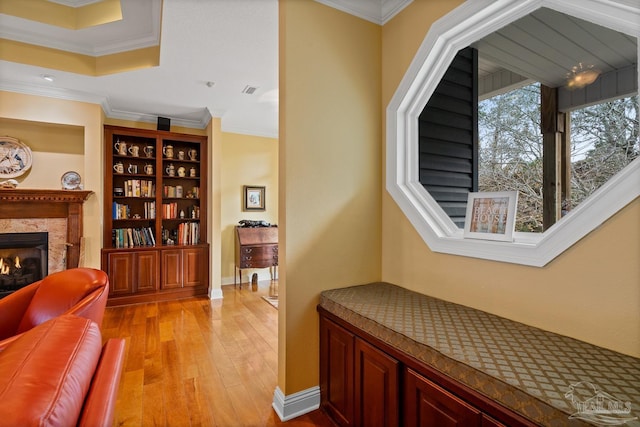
[58, 292]
[46, 373]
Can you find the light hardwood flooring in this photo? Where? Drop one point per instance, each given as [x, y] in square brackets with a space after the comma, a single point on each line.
[201, 362]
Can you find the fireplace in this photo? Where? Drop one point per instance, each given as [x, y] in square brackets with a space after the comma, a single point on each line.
[23, 260]
[57, 212]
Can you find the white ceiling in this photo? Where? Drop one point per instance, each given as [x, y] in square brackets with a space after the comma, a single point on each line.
[231, 43]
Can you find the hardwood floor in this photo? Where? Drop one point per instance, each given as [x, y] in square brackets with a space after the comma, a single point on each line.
[198, 362]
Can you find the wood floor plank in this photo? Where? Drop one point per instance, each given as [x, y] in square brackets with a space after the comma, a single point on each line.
[197, 362]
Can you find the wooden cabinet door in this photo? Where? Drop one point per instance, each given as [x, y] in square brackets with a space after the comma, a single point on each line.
[487, 421]
[376, 387]
[171, 277]
[336, 372]
[146, 268]
[429, 405]
[131, 272]
[120, 267]
[194, 263]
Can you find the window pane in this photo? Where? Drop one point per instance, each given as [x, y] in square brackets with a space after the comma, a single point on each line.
[510, 151]
[604, 140]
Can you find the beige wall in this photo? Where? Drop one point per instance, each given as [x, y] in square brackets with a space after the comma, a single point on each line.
[591, 292]
[55, 150]
[66, 135]
[246, 160]
[329, 171]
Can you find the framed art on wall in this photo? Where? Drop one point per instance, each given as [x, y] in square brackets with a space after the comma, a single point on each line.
[491, 215]
[254, 198]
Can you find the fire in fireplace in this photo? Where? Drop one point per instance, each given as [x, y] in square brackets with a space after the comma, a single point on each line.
[23, 260]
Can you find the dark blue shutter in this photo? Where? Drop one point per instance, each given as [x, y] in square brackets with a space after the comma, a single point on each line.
[448, 137]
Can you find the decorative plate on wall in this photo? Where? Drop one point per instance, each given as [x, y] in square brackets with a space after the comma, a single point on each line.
[71, 181]
[15, 157]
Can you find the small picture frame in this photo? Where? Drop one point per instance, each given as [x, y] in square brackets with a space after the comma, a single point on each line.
[254, 198]
[491, 215]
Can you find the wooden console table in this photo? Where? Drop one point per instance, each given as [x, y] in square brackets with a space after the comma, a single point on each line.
[256, 247]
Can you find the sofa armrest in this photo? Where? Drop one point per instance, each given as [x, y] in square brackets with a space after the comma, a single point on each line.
[47, 373]
[99, 406]
[13, 307]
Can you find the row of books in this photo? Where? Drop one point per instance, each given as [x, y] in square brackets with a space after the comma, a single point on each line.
[188, 233]
[123, 211]
[133, 237]
[139, 188]
[170, 210]
[177, 191]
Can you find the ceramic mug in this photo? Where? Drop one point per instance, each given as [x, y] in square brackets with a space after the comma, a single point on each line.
[167, 150]
[134, 150]
[193, 154]
[118, 167]
[180, 155]
[148, 150]
[148, 169]
[192, 172]
[132, 168]
[182, 171]
[171, 170]
[121, 148]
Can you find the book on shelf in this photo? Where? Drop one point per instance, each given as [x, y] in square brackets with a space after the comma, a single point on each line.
[120, 211]
[133, 237]
[139, 188]
[188, 233]
[170, 210]
[150, 210]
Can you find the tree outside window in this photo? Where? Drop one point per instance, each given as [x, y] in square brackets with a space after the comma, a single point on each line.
[604, 139]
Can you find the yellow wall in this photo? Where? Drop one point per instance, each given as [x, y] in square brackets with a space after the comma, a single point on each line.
[329, 171]
[54, 121]
[591, 292]
[55, 150]
[246, 160]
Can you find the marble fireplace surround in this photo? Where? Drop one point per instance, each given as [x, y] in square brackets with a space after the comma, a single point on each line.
[58, 212]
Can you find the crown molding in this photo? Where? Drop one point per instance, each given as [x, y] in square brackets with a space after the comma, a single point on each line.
[376, 11]
[30, 32]
[112, 113]
[75, 3]
[40, 90]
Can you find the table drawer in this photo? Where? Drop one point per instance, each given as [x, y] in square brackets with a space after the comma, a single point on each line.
[258, 256]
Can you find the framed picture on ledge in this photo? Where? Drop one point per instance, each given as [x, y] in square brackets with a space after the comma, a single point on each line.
[491, 215]
[254, 198]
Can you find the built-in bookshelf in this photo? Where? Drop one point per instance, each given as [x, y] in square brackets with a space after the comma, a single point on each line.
[154, 242]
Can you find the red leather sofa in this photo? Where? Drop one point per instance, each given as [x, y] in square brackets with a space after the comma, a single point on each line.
[54, 368]
[80, 291]
[59, 374]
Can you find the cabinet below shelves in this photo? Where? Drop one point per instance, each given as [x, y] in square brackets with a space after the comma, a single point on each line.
[156, 274]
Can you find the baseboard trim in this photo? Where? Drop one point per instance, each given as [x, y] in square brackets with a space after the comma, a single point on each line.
[263, 275]
[296, 404]
[215, 293]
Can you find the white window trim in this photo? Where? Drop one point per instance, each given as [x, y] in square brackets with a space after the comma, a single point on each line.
[458, 29]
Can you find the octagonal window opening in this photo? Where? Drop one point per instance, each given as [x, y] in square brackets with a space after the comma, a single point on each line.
[464, 26]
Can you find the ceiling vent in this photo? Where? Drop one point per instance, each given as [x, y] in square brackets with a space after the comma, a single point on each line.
[249, 90]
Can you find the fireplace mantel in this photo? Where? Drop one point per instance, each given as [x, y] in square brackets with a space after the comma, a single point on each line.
[33, 203]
